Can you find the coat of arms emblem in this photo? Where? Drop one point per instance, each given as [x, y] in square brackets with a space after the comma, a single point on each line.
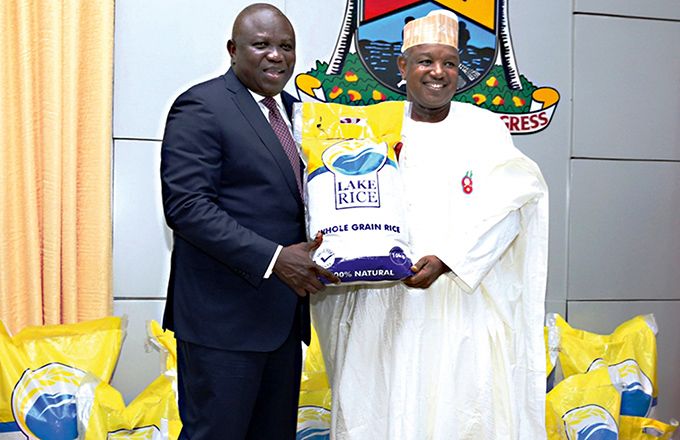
[363, 67]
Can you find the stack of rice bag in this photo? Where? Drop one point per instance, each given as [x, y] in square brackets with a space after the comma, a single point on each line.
[41, 369]
[609, 390]
[54, 385]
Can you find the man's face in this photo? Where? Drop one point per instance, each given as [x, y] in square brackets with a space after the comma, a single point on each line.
[431, 74]
[262, 52]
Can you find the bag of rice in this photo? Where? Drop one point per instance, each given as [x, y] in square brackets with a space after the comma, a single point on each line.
[583, 406]
[102, 413]
[629, 352]
[314, 409]
[41, 368]
[353, 192]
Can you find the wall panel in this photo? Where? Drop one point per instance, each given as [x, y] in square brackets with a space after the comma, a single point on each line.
[141, 240]
[623, 236]
[666, 9]
[626, 88]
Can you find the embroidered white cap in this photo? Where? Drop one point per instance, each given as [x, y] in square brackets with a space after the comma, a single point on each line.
[438, 27]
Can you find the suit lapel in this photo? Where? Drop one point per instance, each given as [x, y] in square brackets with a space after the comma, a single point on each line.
[260, 125]
[288, 102]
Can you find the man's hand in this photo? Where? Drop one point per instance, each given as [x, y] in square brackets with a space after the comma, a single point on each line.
[295, 267]
[426, 271]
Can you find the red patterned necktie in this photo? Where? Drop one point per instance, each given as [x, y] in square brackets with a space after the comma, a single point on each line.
[282, 132]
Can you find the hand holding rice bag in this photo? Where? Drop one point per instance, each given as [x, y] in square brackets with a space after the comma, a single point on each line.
[353, 192]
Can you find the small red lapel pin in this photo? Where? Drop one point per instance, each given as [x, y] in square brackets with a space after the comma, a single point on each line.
[467, 182]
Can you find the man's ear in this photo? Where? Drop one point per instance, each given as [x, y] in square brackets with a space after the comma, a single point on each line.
[231, 48]
[401, 64]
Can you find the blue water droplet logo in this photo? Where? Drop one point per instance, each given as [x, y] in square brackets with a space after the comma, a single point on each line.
[355, 157]
[53, 417]
[598, 431]
[44, 402]
[635, 402]
[364, 162]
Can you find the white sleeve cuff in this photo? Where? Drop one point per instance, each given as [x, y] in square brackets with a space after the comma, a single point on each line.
[270, 269]
[480, 251]
[458, 280]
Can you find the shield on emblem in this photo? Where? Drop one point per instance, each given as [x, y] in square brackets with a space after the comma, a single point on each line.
[378, 37]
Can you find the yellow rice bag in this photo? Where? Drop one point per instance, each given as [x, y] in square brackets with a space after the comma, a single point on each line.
[353, 191]
[314, 411]
[629, 351]
[583, 406]
[164, 341]
[41, 368]
[152, 415]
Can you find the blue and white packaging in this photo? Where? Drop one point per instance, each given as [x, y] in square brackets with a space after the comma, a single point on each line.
[353, 192]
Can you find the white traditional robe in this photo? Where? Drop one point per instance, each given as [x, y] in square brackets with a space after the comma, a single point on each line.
[465, 358]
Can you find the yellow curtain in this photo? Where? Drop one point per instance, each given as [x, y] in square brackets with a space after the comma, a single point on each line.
[56, 80]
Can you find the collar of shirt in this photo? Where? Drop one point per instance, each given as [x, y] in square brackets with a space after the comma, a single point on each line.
[265, 110]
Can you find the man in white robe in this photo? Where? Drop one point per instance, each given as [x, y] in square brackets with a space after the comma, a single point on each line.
[455, 351]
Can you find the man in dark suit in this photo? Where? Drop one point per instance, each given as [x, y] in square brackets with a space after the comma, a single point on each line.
[240, 270]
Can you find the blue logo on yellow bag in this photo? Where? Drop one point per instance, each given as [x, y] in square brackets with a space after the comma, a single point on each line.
[355, 165]
[635, 387]
[355, 158]
[314, 423]
[44, 402]
[591, 422]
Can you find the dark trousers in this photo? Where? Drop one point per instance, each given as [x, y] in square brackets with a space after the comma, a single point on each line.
[238, 395]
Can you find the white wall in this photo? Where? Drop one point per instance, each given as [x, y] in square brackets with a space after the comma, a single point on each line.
[611, 155]
[624, 192]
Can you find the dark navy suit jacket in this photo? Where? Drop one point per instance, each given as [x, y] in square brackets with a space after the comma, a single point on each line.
[230, 197]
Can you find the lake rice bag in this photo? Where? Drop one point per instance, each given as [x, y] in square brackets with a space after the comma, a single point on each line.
[584, 406]
[353, 191]
[152, 415]
[41, 368]
[629, 352]
[314, 409]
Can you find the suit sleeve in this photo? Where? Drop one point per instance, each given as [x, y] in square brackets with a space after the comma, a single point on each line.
[191, 163]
